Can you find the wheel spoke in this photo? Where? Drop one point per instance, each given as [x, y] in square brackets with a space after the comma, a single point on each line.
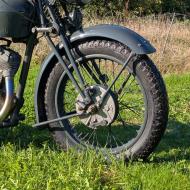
[124, 84]
[113, 74]
[126, 124]
[83, 72]
[94, 138]
[97, 71]
[84, 137]
[90, 73]
[92, 133]
[126, 90]
[123, 107]
[116, 139]
[108, 140]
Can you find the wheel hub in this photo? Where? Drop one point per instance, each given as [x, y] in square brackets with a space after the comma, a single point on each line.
[95, 117]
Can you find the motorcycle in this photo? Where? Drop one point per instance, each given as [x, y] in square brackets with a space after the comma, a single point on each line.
[96, 89]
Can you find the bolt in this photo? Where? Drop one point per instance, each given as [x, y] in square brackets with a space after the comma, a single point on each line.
[95, 120]
[140, 45]
[107, 108]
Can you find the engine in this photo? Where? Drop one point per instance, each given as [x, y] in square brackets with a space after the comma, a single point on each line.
[9, 62]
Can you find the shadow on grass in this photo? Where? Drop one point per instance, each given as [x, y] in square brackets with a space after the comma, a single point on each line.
[24, 135]
[175, 145]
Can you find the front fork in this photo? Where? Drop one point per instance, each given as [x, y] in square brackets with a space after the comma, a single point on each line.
[82, 88]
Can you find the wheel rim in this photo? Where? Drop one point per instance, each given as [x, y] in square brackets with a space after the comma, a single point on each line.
[132, 117]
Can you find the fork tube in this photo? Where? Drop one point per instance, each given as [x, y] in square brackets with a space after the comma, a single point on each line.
[71, 59]
[40, 12]
[60, 59]
[65, 43]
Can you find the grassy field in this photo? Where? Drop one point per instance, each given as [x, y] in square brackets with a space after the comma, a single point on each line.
[30, 160]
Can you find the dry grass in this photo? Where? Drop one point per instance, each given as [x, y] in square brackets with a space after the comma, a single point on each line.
[176, 56]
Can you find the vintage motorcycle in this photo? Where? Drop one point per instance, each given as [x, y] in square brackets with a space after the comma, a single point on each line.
[96, 89]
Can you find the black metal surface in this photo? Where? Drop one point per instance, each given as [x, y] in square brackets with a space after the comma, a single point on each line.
[60, 59]
[23, 77]
[65, 42]
[16, 18]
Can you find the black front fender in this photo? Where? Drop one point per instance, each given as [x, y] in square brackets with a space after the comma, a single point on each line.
[134, 41]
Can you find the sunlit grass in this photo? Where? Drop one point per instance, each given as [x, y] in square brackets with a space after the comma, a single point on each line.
[30, 160]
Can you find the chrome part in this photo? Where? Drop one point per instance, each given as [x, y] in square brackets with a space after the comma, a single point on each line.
[8, 105]
[56, 120]
[42, 30]
[9, 64]
[95, 117]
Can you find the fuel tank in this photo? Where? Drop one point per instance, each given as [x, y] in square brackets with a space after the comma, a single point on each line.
[16, 18]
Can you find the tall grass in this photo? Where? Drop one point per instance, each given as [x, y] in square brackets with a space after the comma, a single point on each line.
[159, 30]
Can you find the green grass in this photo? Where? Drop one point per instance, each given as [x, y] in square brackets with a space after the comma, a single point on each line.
[29, 159]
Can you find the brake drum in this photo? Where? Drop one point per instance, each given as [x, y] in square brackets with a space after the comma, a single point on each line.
[103, 116]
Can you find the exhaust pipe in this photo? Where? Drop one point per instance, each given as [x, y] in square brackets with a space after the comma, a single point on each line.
[8, 104]
[9, 64]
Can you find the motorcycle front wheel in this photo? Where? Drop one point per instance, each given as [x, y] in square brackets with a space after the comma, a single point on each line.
[136, 108]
